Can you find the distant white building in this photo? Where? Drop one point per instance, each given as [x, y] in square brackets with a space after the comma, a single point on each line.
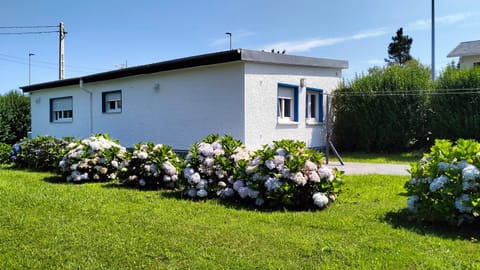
[468, 53]
[256, 97]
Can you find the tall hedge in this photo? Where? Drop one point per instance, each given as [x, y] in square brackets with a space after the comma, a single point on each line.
[454, 113]
[373, 112]
[14, 117]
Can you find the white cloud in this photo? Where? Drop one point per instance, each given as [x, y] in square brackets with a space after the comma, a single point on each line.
[444, 20]
[306, 45]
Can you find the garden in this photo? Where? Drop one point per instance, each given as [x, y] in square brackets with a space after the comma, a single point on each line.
[94, 204]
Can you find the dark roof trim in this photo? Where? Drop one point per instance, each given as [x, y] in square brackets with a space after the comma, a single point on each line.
[195, 61]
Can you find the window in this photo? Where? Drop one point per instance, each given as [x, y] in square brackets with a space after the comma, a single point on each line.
[112, 102]
[61, 109]
[287, 103]
[314, 105]
[476, 64]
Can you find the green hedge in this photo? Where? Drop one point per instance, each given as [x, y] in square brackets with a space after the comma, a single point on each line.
[456, 116]
[373, 113]
[417, 109]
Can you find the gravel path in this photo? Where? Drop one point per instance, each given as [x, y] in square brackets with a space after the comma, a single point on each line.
[370, 168]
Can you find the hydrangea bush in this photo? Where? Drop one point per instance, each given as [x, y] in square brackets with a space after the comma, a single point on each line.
[286, 173]
[39, 153]
[151, 166]
[96, 158]
[210, 164]
[445, 183]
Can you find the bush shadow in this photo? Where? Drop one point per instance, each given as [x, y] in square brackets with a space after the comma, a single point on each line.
[405, 219]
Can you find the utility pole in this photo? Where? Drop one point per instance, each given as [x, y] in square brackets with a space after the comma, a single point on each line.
[29, 68]
[61, 67]
[433, 40]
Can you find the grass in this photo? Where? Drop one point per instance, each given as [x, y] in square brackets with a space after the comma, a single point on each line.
[48, 225]
[398, 158]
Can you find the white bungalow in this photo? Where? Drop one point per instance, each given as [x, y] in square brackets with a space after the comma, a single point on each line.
[257, 97]
[468, 53]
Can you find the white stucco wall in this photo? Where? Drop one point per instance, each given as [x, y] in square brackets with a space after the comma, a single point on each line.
[261, 84]
[467, 61]
[175, 108]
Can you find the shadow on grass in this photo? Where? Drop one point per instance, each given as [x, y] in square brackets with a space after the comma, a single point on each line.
[407, 220]
[55, 179]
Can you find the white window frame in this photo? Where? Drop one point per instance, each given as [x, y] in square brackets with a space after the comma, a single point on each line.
[61, 110]
[287, 97]
[314, 108]
[112, 98]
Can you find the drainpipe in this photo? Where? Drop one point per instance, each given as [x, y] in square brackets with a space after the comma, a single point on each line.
[91, 102]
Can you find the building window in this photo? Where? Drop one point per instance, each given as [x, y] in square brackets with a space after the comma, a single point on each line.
[61, 109]
[476, 64]
[314, 105]
[287, 103]
[112, 102]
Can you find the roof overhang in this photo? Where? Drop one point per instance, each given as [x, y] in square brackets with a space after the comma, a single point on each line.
[195, 61]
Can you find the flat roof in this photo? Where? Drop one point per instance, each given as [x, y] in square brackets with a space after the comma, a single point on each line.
[195, 61]
[466, 48]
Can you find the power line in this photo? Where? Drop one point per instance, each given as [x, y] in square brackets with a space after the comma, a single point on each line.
[464, 91]
[20, 27]
[28, 33]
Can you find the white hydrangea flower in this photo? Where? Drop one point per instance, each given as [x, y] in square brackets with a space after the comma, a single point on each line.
[311, 166]
[169, 168]
[438, 183]
[205, 149]
[114, 164]
[462, 202]
[326, 173]
[209, 162]
[313, 176]
[411, 203]
[142, 182]
[240, 153]
[174, 177]
[142, 155]
[220, 174]
[278, 160]
[103, 170]
[443, 166]
[250, 169]
[298, 178]
[217, 145]
[222, 184]
[202, 193]
[167, 178]
[320, 199]
[218, 152]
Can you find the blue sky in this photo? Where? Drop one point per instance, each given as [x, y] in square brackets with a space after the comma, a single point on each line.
[103, 34]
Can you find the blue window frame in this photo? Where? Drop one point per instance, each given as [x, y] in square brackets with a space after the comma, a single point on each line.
[314, 105]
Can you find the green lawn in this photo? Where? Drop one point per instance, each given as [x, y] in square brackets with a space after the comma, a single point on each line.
[48, 225]
[398, 158]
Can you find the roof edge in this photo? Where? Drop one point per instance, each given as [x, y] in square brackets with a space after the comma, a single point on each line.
[195, 61]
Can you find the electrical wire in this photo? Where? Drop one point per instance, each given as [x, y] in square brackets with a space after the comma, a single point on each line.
[20, 27]
[29, 33]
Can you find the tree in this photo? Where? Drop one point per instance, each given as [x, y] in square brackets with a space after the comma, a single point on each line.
[399, 48]
[14, 117]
